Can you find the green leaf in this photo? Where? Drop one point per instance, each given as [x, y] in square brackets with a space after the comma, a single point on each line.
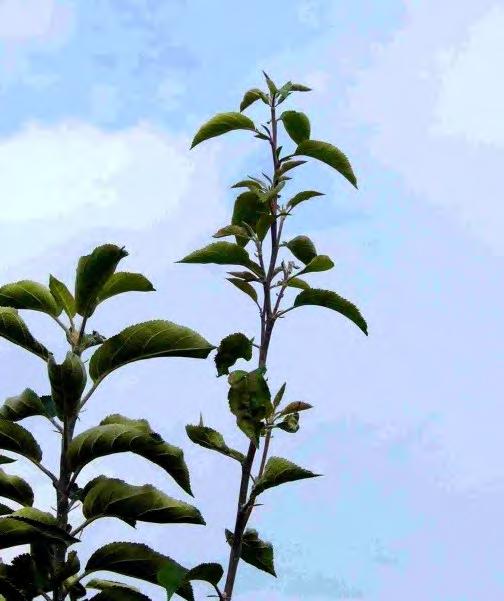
[5, 510]
[279, 471]
[93, 272]
[157, 338]
[251, 96]
[247, 208]
[137, 561]
[8, 592]
[263, 225]
[244, 275]
[68, 381]
[318, 263]
[231, 230]
[115, 498]
[298, 87]
[331, 300]
[29, 525]
[279, 395]
[114, 438]
[124, 281]
[295, 407]
[23, 405]
[251, 184]
[4, 459]
[62, 296]
[219, 253]
[297, 125]
[173, 577]
[249, 401]
[120, 594]
[290, 423]
[271, 86]
[302, 248]
[221, 124]
[16, 489]
[116, 418]
[14, 437]
[232, 348]
[298, 283]
[14, 329]
[301, 197]
[213, 440]
[26, 294]
[254, 551]
[207, 572]
[288, 165]
[329, 154]
[104, 585]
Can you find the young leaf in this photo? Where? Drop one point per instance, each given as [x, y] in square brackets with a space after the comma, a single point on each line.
[298, 283]
[17, 439]
[288, 165]
[157, 338]
[318, 263]
[93, 271]
[14, 329]
[329, 154]
[138, 561]
[301, 197]
[290, 423]
[114, 438]
[248, 208]
[297, 125]
[124, 281]
[211, 439]
[231, 230]
[115, 498]
[251, 184]
[232, 348]
[271, 86]
[279, 395]
[120, 593]
[62, 295]
[244, 275]
[331, 300]
[68, 381]
[251, 96]
[278, 471]
[15, 489]
[255, 551]
[295, 407]
[219, 253]
[23, 405]
[302, 248]
[244, 287]
[105, 585]
[29, 295]
[221, 124]
[298, 87]
[263, 225]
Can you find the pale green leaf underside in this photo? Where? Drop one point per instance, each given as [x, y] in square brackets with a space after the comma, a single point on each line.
[17, 439]
[16, 489]
[14, 329]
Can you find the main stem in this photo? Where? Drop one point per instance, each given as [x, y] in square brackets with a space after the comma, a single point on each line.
[267, 323]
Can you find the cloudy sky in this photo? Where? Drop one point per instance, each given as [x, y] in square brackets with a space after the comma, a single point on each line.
[99, 102]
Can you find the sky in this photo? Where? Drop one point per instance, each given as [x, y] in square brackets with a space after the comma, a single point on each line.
[99, 103]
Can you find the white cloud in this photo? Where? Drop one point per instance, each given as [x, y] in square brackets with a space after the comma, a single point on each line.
[22, 20]
[427, 92]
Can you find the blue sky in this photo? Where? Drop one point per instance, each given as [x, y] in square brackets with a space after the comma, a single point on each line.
[100, 100]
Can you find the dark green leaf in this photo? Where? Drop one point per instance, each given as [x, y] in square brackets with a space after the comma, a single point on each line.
[263, 225]
[298, 87]
[26, 294]
[244, 275]
[8, 592]
[14, 437]
[14, 329]
[15, 489]
[301, 197]
[211, 439]
[247, 208]
[5, 510]
[244, 287]
[23, 405]
[62, 295]
[254, 551]
[329, 154]
[278, 471]
[298, 283]
[29, 525]
[297, 125]
[4, 459]
[221, 124]
[137, 561]
[318, 263]
[68, 381]
[115, 498]
[251, 96]
[157, 338]
[302, 248]
[172, 577]
[118, 593]
[124, 281]
[219, 253]
[232, 348]
[288, 165]
[295, 407]
[112, 438]
[331, 300]
[207, 572]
